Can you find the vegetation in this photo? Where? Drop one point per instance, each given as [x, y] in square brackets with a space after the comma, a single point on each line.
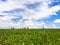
[29, 36]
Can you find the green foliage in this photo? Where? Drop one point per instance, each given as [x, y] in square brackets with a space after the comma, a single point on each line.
[30, 37]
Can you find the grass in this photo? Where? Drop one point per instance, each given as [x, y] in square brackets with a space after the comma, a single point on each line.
[29, 36]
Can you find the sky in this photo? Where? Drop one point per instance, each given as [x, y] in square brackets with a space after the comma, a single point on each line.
[30, 13]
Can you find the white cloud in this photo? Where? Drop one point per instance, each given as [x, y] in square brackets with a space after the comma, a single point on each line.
[42, 11]
[10, 5]
[57, 21]
[50, 26]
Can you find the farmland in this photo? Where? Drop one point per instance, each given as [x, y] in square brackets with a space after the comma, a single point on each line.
[29, 36]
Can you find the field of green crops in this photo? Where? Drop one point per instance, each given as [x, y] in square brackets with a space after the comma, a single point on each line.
[29, 36]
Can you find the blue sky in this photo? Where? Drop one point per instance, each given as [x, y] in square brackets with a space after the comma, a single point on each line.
[29, 13]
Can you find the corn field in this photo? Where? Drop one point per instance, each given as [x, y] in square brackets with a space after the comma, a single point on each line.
[29, 36]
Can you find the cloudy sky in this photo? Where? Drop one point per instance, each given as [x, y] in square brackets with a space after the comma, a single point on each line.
[30, 13]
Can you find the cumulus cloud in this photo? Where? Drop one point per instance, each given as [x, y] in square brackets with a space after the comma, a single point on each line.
[28, 9]
[57, 21]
